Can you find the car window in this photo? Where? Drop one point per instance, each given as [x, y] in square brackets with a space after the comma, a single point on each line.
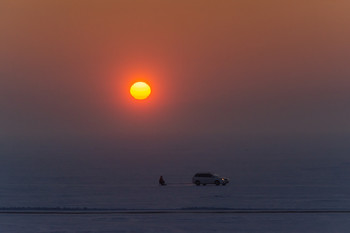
[203, 175]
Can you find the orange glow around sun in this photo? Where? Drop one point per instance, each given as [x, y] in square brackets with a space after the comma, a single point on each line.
[140, 90]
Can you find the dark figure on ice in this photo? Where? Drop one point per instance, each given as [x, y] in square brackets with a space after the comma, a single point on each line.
[161, 181]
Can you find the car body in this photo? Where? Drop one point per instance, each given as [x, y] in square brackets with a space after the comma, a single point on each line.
[208, 178]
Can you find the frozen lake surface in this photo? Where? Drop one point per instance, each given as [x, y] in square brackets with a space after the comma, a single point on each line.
[261, 197]
[180, 207]
[176, 223]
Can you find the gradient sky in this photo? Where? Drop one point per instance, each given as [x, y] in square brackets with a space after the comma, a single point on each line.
[230, 79]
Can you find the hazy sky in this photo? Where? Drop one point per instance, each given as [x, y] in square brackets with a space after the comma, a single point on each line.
[229, 79]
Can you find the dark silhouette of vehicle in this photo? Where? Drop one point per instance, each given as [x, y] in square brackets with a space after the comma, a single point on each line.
[209, 178]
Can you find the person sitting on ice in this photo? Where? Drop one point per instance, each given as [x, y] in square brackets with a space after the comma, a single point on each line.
[161, 181]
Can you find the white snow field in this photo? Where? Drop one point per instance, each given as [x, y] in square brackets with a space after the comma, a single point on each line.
[174, 208]
[261, 197]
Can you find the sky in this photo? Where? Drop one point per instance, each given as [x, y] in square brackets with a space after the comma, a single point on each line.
[231, 80]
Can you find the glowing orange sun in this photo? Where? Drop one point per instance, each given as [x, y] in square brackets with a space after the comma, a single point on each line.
[140, 90]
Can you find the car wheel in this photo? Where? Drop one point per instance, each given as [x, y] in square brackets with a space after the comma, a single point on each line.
[217, 182]
[224, 184]
[197, 182]
[204, 184]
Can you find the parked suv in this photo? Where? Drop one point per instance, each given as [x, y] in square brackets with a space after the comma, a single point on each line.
[209, 178]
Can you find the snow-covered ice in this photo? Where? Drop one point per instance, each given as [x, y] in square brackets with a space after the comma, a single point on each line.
[152, 208]
[134, 202]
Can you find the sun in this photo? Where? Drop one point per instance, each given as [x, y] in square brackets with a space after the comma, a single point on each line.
[140, 90]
